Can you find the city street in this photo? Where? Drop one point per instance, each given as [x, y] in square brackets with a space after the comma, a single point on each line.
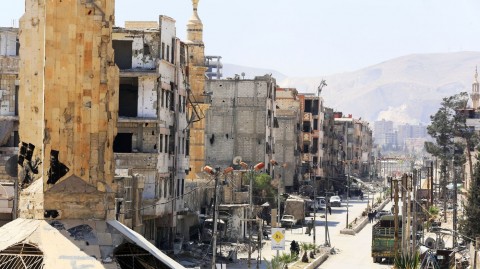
[352, 251]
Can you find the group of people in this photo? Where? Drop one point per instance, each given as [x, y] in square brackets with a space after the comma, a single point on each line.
[371, 216]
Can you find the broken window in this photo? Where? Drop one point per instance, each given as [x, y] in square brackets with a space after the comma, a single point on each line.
[166, 143]
[165, 187]
[146, 49]
[182, 54]
[163, 98]
[128, 97]
[161, 143]
[57, 169]
[168, 53]
[173, 51]
[163, 50]
[16, 100]
[123, 143]
[178, 187]
[123, 53]
[171, 143]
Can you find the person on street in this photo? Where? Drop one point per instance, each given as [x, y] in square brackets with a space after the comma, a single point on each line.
[294, 248]
[329, 208]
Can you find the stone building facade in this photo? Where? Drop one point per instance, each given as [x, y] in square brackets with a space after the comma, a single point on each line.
[152, 126]
[287, 139]
[240, 121]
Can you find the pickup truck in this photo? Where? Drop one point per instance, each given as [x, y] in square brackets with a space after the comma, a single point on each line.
[288, 221]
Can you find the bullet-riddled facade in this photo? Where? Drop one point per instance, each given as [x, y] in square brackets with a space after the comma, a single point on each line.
[68, 109]
[240, 121]
[287, 139]
[152, 128]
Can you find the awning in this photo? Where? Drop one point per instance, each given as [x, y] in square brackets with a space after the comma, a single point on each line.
[145, 244]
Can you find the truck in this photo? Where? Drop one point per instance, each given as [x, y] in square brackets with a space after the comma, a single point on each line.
[297, 207]
[383, 238]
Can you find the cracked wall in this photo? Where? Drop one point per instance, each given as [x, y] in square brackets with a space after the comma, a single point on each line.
[68, 104]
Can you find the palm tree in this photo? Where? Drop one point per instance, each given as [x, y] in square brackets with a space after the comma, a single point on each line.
[275, 263]
[407, 261]
[305, 247]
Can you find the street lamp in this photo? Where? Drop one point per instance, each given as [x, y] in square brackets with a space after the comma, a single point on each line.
[216, 174]
[348, 193]
[256, 167]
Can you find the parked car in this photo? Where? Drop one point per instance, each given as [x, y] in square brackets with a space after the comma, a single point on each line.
[335, 201]
[320, 203]
[382, 213]
[288, 221]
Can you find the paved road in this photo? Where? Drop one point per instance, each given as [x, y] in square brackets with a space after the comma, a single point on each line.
[355, 250]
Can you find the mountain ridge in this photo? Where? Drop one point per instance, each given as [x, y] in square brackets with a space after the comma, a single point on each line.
[406, 89]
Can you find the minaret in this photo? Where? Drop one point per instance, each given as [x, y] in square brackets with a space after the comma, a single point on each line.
[196, 75]
[196, 52]
[475, 93]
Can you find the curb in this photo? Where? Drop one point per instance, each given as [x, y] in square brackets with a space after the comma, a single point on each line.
[316, 262]
[363, 223]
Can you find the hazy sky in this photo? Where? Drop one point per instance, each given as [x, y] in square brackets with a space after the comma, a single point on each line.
[312, 37]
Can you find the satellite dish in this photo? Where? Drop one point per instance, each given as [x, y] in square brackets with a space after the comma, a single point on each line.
[430, 242]
[440, 244]
[11, 166]
[237, 160]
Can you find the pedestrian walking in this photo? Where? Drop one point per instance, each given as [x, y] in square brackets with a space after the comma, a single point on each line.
[329, 208]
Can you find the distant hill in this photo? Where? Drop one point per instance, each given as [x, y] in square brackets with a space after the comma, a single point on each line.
[230, 70]
[406, 89]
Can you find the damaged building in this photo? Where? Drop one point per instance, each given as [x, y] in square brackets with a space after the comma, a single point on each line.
[152, 125]
[9, 85]
[240, 121]
[68, 109]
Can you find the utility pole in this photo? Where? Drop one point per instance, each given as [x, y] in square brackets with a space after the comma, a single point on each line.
[454, 239]
[257, 167]
[408, 184]
[414, 227]
[215, 214]
[348, 193]
[250, 216]
[315, 208]
[404, 210]
[395, 218]
[327, 236]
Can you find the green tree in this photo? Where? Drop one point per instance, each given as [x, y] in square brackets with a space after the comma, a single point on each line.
[263, 191]
[469, 225]
[447, 123]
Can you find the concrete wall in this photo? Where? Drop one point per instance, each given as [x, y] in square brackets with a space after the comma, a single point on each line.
[236, 123]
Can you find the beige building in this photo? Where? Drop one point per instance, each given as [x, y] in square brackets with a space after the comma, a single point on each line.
[287, 138]
[68, 106]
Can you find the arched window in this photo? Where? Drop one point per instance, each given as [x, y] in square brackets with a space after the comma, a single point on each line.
[21, 256]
